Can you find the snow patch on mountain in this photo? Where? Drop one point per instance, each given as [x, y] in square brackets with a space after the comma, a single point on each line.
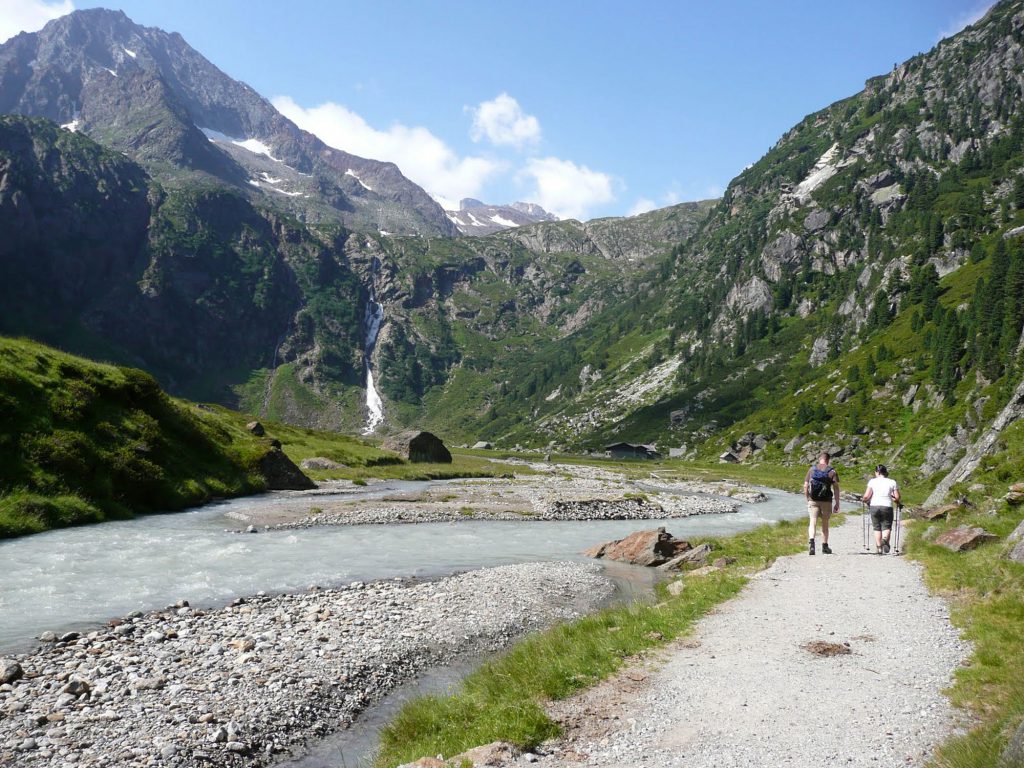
[255, 146]
[355, 176]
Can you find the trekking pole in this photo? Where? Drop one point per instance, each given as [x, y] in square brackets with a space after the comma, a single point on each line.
[865, 524]
[896, 529]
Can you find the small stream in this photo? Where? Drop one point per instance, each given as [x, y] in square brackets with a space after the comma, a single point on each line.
[78, 577]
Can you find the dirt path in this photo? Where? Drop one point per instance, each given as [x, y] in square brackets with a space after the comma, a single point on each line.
[743, 691]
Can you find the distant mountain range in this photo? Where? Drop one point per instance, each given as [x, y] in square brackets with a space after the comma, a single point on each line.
[477, 218]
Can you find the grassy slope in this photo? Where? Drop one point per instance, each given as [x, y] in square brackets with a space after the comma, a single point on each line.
[83, 442]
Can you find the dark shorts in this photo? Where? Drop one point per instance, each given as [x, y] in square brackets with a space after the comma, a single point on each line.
[881, 518]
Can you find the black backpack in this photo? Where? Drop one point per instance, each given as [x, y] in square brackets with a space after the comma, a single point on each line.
[821, 483]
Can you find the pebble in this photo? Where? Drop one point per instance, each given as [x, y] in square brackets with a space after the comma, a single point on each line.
[236, 686]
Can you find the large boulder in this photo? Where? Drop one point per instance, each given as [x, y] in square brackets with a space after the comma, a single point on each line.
[940, 512]
[1016, 539]
[1015, 495]
[256, 428]
[482, 445]
[1013, 753]
[320, 462]
[281, 473]
[419, 446]
[963, 538]
[496, 753]
[648, 548]
[695, 557]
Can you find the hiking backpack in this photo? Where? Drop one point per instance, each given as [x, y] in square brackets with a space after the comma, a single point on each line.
[821, 483]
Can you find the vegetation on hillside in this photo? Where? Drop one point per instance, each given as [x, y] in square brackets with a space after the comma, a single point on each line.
[83, 442]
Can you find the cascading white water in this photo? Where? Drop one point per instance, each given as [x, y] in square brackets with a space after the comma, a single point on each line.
[374, 404]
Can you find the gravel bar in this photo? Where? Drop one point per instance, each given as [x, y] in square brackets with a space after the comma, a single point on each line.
[249, 682]
[582, 510]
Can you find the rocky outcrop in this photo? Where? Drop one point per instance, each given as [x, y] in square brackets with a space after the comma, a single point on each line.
[320, 462]
[281, 473]
[693, 558]
[417, 446]
[1016, 542]
[1012, 755]
[646, 548]
[963, 538]
[983, 446]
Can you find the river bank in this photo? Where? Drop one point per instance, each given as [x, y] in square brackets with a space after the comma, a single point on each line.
[549, 492]
[243, 684]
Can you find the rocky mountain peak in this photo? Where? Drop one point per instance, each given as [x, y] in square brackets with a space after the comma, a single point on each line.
[94, 70]
[478, 218]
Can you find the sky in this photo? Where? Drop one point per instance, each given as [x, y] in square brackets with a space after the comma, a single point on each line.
[588, 107]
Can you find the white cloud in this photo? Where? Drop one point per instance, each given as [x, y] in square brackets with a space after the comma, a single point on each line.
[643, 205]
[29, 15]
[566, 189]
[966, 18]
[421, 155]
[503, 122]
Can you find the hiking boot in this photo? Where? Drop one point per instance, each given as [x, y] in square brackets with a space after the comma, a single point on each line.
[810, 547]
[885, 547]
[825, 549]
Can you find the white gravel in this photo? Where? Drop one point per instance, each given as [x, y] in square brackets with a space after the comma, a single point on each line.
[743, 692]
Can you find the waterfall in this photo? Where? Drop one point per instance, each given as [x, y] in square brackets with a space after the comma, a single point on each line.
[371, 322]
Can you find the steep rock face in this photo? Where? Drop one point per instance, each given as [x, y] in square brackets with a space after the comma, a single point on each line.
[196, 285]
[73, 218]
[983, 446]
[97, 71]
[633, 238]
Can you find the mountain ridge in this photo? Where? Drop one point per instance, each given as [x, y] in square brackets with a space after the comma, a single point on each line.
[774, 312]
[62, 72]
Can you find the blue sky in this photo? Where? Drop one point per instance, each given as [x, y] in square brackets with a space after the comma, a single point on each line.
[589, 108]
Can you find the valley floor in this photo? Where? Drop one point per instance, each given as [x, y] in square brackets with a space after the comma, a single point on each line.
[744, 691]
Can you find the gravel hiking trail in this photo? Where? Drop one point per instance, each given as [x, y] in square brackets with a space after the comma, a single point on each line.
[747, 688]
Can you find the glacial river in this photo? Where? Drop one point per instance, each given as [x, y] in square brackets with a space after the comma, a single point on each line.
[78, 577]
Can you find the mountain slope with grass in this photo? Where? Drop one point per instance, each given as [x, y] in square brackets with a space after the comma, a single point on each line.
[83, 442]
[859, 287]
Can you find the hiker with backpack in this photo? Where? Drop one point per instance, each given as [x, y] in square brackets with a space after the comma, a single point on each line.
[821, 489]
[881, 496]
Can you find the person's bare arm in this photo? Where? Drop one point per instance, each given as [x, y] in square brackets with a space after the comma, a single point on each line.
[835, 492]
[866, 498]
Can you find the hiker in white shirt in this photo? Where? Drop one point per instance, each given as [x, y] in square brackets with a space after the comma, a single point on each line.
[881, 496]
